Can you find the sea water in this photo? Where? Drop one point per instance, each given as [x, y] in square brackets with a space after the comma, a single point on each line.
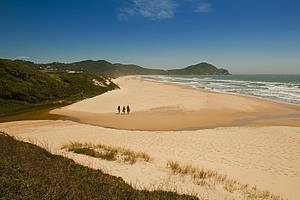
[282, 88]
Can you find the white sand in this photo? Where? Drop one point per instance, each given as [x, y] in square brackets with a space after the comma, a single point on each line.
[268, 157]
[148, 95]
[157, 106]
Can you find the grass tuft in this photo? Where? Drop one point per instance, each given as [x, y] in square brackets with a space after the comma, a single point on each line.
[107, 152]
[205, 177]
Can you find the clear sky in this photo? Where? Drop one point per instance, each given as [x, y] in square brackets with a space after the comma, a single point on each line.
[244, 36]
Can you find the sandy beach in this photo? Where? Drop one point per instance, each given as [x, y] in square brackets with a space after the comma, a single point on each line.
[158, 106]
[253, 141]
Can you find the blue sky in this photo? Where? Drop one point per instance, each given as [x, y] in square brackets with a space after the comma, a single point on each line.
[244, 36]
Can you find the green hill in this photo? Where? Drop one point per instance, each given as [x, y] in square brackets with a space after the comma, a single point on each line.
[23, 86]
[101, 67]
[129, 69]
[199, 69]
[106, 68]
[86, 66]
[30, 172]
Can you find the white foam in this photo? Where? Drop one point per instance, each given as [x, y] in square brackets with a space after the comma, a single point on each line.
[279, 91]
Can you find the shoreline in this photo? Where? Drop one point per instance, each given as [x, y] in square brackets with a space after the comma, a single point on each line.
[171, 106]
[202, 89]
[60, 113]
[219, 91]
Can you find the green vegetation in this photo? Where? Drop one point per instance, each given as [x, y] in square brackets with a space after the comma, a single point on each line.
[205, 177]
[23, 86]
[107, 152]
[199, 69]
[106, 68]
[102, 67]
[30, 172]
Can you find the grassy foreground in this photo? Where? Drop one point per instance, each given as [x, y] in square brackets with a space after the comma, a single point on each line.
[30, 172]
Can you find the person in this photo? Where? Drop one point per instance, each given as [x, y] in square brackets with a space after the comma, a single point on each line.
[128, 109]
[119, 109]
[124, 109]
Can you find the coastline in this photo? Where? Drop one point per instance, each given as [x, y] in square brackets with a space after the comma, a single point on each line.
[220, 91]
[168, 106]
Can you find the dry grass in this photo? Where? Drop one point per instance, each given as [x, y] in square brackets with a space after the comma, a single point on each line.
[210, 178]
[107, 152]
[30, 172]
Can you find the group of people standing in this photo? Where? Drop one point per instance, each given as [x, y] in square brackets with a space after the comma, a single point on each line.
[125, 109]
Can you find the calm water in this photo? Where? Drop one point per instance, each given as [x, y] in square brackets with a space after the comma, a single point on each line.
[283, 88]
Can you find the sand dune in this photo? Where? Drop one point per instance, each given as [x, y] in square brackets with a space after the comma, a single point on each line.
[268, 157]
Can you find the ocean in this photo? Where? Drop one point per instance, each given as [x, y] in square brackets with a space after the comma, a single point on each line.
[280, 88]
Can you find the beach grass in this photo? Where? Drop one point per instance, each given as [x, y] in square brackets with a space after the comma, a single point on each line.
[107, 152]
[30, 172]
[211, 178]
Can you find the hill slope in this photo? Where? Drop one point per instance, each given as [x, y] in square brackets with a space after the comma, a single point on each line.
[127, 69]
[199, 69]
[30, 172]
[22, 86]
[101, 67]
